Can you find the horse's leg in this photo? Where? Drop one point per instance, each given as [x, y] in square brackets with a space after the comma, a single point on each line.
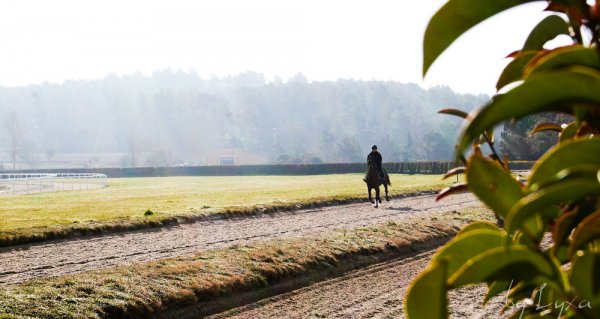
[386, 193]
[377, 199]
[370, 198]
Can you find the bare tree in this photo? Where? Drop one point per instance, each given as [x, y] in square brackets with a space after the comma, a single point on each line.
[134, 147]
[15, 136]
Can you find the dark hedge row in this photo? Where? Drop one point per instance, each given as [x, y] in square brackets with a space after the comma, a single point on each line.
[434, 167]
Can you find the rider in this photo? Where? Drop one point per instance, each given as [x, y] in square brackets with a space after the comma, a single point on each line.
[377, 160]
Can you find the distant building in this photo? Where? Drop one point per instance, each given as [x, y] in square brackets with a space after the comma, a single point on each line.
[234, 156]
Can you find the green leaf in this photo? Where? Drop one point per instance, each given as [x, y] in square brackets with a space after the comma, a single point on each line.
[563, 227]
[565, 57]
[495, 288]
[568, 133]
[562, 254]
[454, 19]
[467, 246]
[515, 69]
[463, 114]
[524, 237]
[430, 285]
[517, 263]
[552, 91]
[586, 231]
[585, 276]
[492, 184]
[565, 155]
[580, 172]
[518, 293]
[521, 290]
[548, 29]
[541, 203]
[479, 225]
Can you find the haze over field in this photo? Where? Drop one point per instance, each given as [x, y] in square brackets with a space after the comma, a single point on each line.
[100, 84]
[173, 118]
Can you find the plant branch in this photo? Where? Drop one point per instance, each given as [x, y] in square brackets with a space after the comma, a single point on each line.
[489, 142]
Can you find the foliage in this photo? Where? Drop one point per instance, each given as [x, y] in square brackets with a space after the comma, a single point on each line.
[557, 278]
[176, 117]
[15, 136]
[349, 150]
[518, 143]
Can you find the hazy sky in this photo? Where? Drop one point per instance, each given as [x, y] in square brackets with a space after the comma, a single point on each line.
[325, 40]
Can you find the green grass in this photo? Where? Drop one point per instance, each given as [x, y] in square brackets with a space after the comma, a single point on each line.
[141, 201]
[140, 290]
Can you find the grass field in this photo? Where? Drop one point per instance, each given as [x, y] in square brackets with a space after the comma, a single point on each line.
[125, 201]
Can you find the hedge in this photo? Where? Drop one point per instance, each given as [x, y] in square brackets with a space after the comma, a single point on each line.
[432, 167]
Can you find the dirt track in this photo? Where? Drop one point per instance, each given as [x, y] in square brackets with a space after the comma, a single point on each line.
[26, 262]
[373, 292]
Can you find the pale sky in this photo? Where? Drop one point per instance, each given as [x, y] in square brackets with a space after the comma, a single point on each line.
[53, 41]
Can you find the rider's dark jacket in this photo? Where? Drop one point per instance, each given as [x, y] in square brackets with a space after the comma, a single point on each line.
[376, 159]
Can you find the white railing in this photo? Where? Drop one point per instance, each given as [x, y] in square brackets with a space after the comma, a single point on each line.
[22, 184]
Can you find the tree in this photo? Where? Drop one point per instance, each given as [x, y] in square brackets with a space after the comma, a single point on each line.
[517, 142]
[436, 147]
[15, 136]
[562, 193]
[408, 153]
[134, 147]
[194, 116]
[29, 154]
[158, 158]
[349, 150]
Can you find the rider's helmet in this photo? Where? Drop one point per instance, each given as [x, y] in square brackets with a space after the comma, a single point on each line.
[374, 148]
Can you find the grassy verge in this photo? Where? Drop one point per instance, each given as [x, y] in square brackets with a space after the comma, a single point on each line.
[137, 203]
[147, 289]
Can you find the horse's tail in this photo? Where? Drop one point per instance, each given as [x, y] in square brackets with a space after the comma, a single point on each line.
[386, 178]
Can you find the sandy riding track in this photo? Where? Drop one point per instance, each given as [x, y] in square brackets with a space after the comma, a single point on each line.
[373, 292]
[26, 262]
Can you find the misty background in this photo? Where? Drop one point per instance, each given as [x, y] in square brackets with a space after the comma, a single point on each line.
[176, 118]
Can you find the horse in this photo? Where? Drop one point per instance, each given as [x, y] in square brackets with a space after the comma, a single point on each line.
[374, 181]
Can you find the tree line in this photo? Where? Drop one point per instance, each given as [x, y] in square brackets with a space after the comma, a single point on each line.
[175, 117]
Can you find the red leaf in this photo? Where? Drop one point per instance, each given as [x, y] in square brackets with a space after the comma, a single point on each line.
[456, 188]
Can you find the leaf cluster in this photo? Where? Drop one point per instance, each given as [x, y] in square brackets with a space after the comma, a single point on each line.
[544, 254]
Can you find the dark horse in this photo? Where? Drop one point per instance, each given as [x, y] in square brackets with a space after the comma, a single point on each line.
[374, 181]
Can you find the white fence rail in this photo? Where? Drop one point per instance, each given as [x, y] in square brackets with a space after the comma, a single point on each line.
[22, 184]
